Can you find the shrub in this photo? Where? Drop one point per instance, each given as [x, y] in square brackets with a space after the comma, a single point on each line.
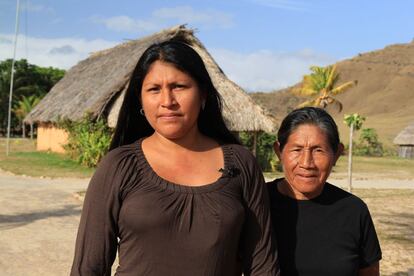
[369, 144]
[264, 152]
[88, 139]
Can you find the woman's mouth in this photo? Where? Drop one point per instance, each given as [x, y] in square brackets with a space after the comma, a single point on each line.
[169, 116]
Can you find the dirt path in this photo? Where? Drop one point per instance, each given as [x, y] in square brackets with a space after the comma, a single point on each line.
[39, 220]
[38, 223]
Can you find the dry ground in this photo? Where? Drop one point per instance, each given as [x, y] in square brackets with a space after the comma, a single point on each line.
[393, 215]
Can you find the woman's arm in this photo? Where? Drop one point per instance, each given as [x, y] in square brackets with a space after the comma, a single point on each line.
[372, 270]
[96, 242]
[259, 253]
[370, 251]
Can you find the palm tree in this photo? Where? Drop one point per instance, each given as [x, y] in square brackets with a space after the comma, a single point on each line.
[23, 107]
[353, 121]
[320, 85]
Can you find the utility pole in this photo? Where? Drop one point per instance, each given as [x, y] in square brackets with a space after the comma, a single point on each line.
[12, 78]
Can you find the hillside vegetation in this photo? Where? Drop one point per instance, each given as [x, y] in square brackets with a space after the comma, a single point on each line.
[384, 94]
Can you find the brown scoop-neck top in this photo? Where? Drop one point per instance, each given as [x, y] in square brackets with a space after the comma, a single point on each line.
[161, 228]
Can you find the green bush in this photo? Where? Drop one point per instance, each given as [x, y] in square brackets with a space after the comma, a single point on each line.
[368, 144]
[264, 151]
[88, 139]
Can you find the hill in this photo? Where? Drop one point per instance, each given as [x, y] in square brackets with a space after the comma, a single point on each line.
[384, 94]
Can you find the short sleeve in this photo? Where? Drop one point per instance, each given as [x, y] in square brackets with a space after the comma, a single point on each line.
[369, 250]
[96, 242]
[259, 253]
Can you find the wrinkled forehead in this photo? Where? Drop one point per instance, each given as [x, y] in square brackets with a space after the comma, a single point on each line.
[310, 135]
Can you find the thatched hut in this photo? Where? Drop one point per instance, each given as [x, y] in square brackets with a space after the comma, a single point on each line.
[97, 85]
[405, 141]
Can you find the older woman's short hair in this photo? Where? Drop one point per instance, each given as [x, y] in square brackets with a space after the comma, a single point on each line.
[309, 116]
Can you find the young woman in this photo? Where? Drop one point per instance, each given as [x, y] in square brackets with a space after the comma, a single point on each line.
[177, 194]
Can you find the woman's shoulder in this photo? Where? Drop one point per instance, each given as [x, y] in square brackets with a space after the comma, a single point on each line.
[126, 153]
[274, 182]
[241, 152]
[337, 194]
[275, 195]
[241, 158]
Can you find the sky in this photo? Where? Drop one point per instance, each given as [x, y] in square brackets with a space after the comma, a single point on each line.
[262, 45]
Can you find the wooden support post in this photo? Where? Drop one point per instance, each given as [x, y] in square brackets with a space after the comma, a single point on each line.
[254, 142]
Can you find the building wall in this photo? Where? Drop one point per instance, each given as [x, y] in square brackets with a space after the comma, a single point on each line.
[51, 138]
[406, 151]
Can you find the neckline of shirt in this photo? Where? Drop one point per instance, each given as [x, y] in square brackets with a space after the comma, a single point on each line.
[182, 188]
[314, 200]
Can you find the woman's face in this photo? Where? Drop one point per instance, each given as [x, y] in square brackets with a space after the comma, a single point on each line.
[171, 100]
[307, 160]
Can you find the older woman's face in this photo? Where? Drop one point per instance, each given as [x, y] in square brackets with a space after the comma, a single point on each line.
[307, 160]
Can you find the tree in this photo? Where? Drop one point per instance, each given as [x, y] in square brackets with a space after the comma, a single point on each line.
[353, 121]
[320, 84]
[264, 147]
[29, 80]
[22, 108]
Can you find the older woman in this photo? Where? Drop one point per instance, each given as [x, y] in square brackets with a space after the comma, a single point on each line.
[177, 194]
[321, 229]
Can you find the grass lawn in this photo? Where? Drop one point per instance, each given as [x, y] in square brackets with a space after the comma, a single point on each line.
[24, 159]
[387, 167]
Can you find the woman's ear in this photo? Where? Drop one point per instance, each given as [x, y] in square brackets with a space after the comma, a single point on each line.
[338, 153]
[276, 148]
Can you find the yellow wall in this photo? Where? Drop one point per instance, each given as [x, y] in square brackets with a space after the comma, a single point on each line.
[51, 138]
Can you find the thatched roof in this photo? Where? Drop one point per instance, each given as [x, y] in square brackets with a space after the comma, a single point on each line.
[406, 136]
[97, 85]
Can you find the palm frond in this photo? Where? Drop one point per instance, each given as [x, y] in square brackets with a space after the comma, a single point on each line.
[306, 89]
[306, 92]
[343, 87]
[315, 80]
[332, 77]
[308, 103]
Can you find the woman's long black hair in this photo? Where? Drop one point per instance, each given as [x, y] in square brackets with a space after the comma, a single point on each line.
[131, 125]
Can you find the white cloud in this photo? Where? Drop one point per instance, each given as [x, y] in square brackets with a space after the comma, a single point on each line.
[64, 50]
[57, 52]
[266, 70]
[166, 17]
[282, 4]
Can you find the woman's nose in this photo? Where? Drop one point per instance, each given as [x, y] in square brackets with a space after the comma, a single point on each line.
[167, 98]
[306, 159]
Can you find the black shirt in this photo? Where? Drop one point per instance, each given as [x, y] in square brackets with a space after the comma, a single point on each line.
[332, 234]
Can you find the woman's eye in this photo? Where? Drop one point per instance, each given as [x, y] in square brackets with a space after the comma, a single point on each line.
[319, 150]
[178, 86]
[153, 89]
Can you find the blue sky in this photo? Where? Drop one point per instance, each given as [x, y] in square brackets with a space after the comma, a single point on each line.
[260, 44]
